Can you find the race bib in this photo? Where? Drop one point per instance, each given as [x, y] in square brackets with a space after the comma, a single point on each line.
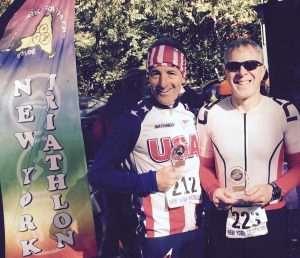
[244, 222]
[186, 190]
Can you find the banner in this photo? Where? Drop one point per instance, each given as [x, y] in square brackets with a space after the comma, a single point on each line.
[46, 198]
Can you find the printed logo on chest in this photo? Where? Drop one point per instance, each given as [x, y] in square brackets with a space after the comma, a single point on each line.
[160, 149]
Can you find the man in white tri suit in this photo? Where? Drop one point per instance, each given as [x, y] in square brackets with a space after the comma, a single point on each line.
[243, 141]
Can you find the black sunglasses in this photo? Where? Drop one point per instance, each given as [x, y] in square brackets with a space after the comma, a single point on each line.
[248, 65]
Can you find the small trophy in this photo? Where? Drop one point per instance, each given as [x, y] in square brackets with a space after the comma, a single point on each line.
[178, 155]
[237, 182]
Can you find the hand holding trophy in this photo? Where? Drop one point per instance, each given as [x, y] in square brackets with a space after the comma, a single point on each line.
[187, 188]
[237, 182]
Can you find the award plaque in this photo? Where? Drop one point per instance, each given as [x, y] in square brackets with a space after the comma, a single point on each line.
[178, 155]
[237, 182]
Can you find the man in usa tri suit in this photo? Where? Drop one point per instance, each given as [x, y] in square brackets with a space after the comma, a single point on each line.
[158, 140]
[243, 141]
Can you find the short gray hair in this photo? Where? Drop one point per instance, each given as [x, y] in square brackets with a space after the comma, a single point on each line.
[242, 42]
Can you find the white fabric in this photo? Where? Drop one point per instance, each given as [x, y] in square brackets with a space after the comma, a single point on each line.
[255, 141]
[161, 129]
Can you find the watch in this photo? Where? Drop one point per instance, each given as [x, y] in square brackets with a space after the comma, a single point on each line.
[276, 193]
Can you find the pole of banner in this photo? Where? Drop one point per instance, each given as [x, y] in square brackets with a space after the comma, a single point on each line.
[2, 233]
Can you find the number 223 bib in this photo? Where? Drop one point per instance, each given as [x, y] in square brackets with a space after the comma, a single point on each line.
[244, 222]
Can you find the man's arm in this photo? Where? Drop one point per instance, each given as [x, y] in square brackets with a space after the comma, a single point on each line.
[221, 197]
[209, 181]
[291, 178]
[107, 173]
[261, 194]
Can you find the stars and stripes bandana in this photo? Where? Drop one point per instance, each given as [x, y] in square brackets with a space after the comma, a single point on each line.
[165, 55]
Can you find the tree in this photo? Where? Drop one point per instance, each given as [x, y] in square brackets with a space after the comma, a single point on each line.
[112, 36]
[3, 5]
[119, 33]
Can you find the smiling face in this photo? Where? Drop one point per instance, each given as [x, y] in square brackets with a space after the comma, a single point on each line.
[166, 83]
[245, 84]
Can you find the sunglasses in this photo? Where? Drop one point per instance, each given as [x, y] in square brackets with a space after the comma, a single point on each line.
[248, 65]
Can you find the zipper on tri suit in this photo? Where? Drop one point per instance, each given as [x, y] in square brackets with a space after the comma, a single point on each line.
[171, 109]
[245, 141]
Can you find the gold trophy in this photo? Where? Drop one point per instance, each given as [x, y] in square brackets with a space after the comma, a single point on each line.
[237, 182]
[178, 155]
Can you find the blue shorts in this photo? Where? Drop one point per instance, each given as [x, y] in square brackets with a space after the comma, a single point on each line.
[184, 245]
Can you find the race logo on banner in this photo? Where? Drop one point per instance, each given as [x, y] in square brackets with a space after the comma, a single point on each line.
[46, 197]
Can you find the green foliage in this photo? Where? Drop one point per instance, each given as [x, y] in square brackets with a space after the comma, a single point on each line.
[112, 36]
[4, 4]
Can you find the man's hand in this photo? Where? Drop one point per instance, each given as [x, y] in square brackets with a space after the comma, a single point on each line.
[222, 199]
[259, 195]
[166, 177]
